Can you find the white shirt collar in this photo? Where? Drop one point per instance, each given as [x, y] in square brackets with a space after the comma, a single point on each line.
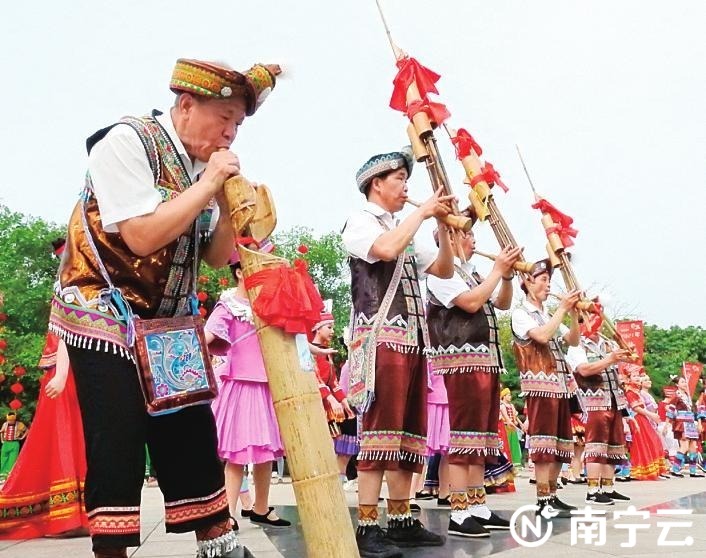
[527, 305]
[379, 212]
[165, 120]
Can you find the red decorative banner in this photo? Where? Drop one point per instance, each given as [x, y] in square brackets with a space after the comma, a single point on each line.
[633, 331]
[692, 372]
[562, 222]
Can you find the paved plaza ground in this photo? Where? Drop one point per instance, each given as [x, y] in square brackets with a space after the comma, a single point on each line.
[685, 494]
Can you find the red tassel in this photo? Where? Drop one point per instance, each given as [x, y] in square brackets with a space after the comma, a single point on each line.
[464, 144]
[562, 222]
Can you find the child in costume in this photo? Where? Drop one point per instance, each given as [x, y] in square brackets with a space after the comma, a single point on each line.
[245, 417]
[685, 427]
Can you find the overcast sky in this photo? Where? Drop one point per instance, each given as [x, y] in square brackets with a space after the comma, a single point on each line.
[606, 100]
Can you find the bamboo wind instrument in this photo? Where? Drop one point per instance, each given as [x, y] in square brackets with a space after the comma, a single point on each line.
[519, 266]
[454, 221]
[326, 523]
[420, 132]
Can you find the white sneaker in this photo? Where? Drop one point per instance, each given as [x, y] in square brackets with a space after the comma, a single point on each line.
[351, 485]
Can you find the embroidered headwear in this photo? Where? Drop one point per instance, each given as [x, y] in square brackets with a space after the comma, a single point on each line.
[326, 316]
[504, 392]
[542, 266]
[218, 82]
[385, 162]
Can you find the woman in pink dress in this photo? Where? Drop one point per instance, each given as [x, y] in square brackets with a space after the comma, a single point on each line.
[438, 431]
[245, 416]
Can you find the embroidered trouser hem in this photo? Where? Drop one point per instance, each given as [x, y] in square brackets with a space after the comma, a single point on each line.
[182, 447]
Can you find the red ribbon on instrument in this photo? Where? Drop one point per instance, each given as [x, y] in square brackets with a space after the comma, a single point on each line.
[592, 325]
[410, 71]
[490, 175]
[562, 222]
[288, 298]
[437, 112]
[464, 143]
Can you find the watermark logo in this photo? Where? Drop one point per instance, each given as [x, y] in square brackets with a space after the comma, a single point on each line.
[538, 525]
[589, 526]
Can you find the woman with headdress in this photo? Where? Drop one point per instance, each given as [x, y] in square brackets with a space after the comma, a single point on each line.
[656, 421]
[245, 416]
[512, 426]
[686, 430]
[44, 493]
[645, 447]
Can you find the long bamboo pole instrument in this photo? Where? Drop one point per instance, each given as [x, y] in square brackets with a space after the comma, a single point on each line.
[326, 523]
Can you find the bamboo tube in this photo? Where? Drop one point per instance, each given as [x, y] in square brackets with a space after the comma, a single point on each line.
[326, 523]
[521, 266]
[554, 239]
[458, 222]
[420, 152]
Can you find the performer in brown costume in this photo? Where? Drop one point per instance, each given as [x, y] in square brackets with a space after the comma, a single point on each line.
[465, 349]
[388, 368]
[593, 362]
[546, 381]
[153, 204]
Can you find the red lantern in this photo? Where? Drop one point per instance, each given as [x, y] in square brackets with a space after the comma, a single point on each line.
[303, 249]
[3, 316]
[15, 404]
[203, 311]
[16, 388]
[223, 281]
[3, 344]
[2, 359]
[202, 296]
[19, 371]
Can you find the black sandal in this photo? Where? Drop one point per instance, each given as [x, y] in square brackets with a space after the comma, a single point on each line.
[264, 519]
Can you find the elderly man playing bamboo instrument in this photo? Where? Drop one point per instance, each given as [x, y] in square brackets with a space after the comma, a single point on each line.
[389, 334]
[546, 381]
[465, 349]
[153, 205]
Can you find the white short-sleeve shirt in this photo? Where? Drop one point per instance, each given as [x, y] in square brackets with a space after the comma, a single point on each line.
[446, 290]
[364, 227]
[576, 356]
[523, 321]
[123, 182]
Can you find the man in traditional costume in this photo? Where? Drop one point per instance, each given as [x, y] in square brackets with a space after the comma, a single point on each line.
[546, 381]
[465, 351]
[594, 364]
[389, 335]
[11, 433]
[152, 207]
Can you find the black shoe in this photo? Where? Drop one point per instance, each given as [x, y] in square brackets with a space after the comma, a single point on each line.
[405, 533]
[533, 481]
[558, 504]
[696, 475]
[372, 543]
[623, 479]
[599, 499]
[423, 496]
[246, 513]
[493, 523]
[617, 496]
[414, 507]
[549, 512]
[265, 519]
[470, 528]
[443, 502]
[676, 474]
[559, 486]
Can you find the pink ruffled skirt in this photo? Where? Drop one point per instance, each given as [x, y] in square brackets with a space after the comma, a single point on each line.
[438, 428]
[246, 423]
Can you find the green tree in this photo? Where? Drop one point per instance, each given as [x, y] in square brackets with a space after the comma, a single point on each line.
[27, 273]
[667, 349]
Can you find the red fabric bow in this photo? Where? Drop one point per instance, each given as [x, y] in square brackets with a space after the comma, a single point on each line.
[562, 222]
[411, 71]
[594, 322]
[489, 175]
[437, 112]
[463, 143]
[288, 298]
